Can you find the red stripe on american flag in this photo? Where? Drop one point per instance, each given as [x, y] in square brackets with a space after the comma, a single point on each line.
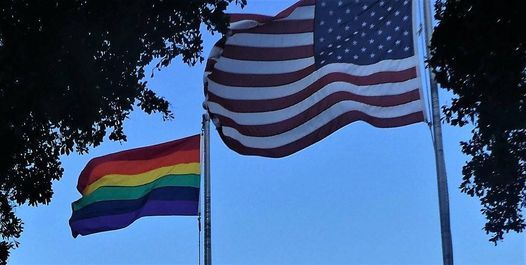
[259, 80]
[210, 65]
[262, 18]
[322, 132]
[252, 106]
[267, 54]
[281, 27]
[266, 80]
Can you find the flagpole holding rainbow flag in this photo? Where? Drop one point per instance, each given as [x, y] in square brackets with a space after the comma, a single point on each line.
[206, 184]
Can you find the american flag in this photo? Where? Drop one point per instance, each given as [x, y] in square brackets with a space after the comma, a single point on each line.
[277, 84]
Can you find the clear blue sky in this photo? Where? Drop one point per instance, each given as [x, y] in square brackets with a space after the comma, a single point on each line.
[361, 196]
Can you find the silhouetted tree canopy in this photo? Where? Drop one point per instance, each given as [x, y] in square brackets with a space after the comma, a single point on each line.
[71, 71]
[479, 53]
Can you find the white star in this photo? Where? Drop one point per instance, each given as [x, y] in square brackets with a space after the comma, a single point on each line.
[363, 49]
[339, 57]
[371, 41]
[347, 11]
[363, 34]
[330, 53]
[322, 22]
[338, 37]
[355, 57]
[347, 39]
[322, 39]
[322, 61]
[372, 55]
[397, 28]
[373, 13]
[323, 4]
[379, 32]
[330, 46]
[347, 27]
[382, 3]
[389, 51]
[388, 38]
[339, 46]
[406, 48]
[371, 26]
[364, 7]
[405, 17]
[381, 18]
[339, 20]
[397, 13]
[397, 42]
[330, 30]
[389, 8]
[340, 3]
[406, 2]
[388, 22]
[380, 47]
[364, 24]
[347, 50]
[322, 53]
[331, 12]
[354, 42]
[406, 33]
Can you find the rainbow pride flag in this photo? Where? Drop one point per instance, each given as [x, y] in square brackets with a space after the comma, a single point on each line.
[119, 188]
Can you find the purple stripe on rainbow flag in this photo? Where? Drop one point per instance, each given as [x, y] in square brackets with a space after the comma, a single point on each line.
[114, 222]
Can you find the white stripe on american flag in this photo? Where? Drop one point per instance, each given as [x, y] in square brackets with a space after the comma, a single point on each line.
[270, 40]
[262, 67]
[244, 24]
[302, 12]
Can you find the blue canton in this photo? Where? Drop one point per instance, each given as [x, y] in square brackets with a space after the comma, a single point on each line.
[362, 32]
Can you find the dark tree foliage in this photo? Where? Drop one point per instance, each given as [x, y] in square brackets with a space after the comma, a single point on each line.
[479, 53]
[71, 71]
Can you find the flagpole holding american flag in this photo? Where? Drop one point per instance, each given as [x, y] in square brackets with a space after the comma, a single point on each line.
[443, 195]
[275, 85]
[208, 214]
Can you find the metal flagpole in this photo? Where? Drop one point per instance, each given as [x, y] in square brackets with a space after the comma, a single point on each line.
[443, 196]
[208, 214]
